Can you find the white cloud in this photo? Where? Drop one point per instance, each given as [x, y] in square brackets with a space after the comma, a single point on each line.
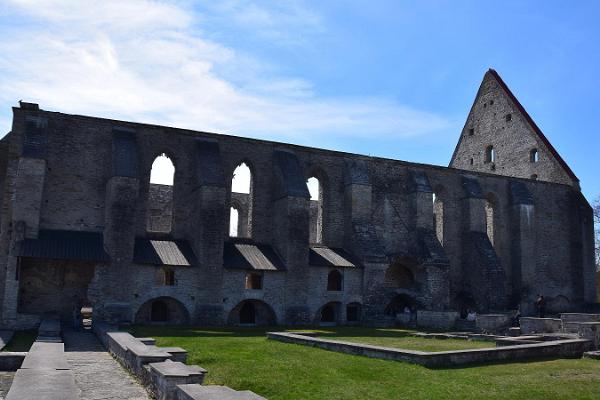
[149, 61]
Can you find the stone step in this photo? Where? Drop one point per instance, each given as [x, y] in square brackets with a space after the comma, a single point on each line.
[595, 355]
[214, 392]
[148, 341]
[44, 355]
[43, 384]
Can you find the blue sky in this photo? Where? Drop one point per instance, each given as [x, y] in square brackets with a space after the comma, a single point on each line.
[388, 78]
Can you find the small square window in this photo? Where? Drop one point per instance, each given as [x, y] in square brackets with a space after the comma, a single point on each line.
[508, 117]
[491, 102]
[471, 131]
[254, 281]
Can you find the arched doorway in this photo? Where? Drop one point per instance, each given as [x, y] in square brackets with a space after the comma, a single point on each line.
[252, 312]
[399, 305]
[329, 314]
[248, 313]
[162, 310]
[159, 311]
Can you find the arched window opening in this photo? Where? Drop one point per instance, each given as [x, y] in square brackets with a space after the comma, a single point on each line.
[490, 154]
[334, 281]
[438, 218]
[399, 276]
[159, 311]
[248, 313]
[490, 204]
[240, 221]
[316, 210]
[168, 277]
[160, 195]
[353, 312]
[534, 156]
[254, 281]
[534, 177]
[234, 222]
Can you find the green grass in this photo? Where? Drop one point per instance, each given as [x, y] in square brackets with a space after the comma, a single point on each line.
[400, 338]
[245, 359]
[21, 341]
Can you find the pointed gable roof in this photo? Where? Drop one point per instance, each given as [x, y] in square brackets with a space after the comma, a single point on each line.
[494, 75]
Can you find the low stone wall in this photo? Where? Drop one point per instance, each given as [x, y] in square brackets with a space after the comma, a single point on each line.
[442, 320]
[540, 325]
[492, 322]
[579, 317]
[444, 359]
[160, 369]
[11, 361]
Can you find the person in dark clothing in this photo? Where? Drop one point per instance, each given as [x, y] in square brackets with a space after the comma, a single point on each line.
[540, 305]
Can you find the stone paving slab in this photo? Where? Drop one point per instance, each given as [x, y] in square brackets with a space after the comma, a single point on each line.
[214, 392]
[43, 384]
[97, 374]
[45, 355]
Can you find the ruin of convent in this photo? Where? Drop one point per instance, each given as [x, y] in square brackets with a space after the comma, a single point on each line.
[81, 224]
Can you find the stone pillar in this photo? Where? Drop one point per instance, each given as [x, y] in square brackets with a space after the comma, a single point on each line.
[27, 189]
[421, 196]
[523, 247]
[291, 232]
[122, 192]
[207, 232]
[482, 271]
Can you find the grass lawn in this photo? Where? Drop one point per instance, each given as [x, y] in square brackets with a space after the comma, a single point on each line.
[245, 359]
[21, 341]
[400, 338]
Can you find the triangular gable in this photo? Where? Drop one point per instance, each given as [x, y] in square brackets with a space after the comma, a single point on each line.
[491, 74]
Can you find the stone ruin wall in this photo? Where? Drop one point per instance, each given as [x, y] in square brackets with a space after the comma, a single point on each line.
[542, 247]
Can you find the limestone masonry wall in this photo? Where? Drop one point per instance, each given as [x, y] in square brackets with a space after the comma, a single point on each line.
[496, 241]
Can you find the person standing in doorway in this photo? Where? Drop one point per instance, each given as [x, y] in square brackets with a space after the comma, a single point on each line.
[540, 305]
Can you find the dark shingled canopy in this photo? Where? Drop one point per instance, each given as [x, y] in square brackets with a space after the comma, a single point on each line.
[63, 245]
[322, 256]
[164, 252]
[247, 255]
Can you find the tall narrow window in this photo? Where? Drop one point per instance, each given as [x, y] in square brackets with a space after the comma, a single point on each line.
[490, 154]
[316, 210]
[160, 195]
[533, 156]
[240, 220]
[438, 217]
[234, 222]
[490, 204]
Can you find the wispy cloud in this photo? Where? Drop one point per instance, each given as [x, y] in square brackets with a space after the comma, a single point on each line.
[150, 61]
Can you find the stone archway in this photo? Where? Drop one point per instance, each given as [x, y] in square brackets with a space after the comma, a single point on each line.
[329, 314]
[162, 310]
[399, 276]
[398, 305]
[252, 312]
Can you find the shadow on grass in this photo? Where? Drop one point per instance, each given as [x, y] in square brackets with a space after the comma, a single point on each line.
[21, 341]
[211, 332]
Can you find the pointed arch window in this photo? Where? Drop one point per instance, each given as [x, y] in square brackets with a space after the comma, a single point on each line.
[490, 154]
[490, 211]
[160, 195]
[534, 156]
[315, 189]
[438, 215]
[240, 217]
